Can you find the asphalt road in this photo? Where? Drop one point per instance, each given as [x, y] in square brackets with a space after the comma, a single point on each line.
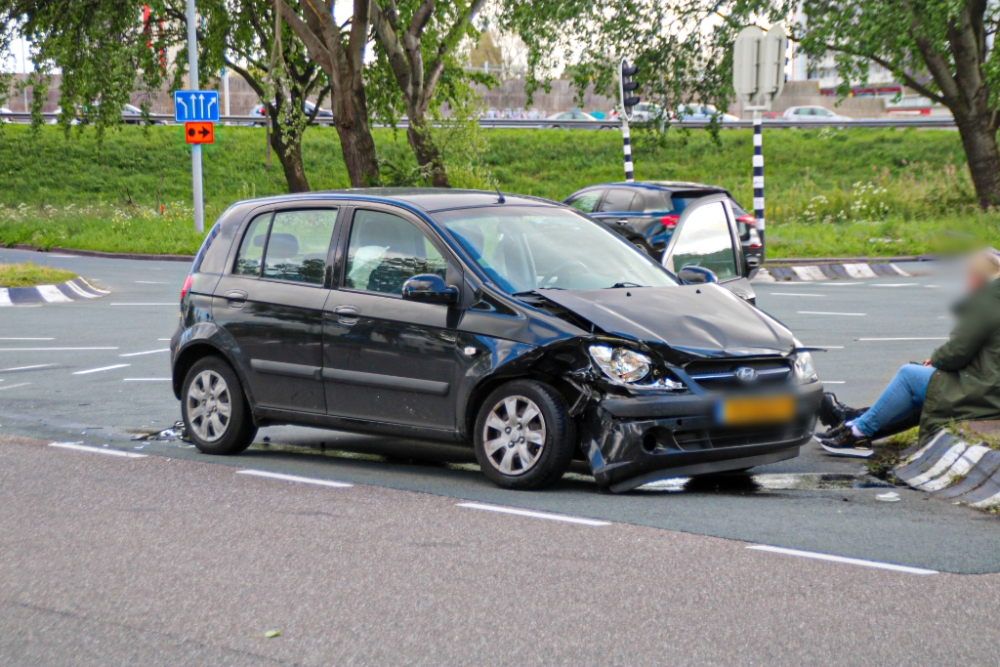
[74, 386]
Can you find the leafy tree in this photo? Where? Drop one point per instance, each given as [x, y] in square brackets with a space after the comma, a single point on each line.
[416, 41]
[240, 35]
[943, 49]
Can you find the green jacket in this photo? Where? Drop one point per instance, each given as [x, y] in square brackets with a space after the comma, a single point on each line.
[966, 385]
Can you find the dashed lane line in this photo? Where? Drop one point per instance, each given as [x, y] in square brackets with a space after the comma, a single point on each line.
[145, 352]
[14, 386]
[823, 312]
[101, 369]
[892, 339]
[145, 379]
[172, 303]
[842, 559]
[813, 296]
[54, 349]
[294, 478]
[27, 338]
[535, 515]
[96, 450]
[26, 368]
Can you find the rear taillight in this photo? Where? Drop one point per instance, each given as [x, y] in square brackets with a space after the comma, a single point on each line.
[670, 221]
[746, 218]
[186, 286]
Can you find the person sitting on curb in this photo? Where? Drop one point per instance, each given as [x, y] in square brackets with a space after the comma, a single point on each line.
[960, 382]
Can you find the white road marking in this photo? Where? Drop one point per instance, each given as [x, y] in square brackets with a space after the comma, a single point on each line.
[814, 296]
[96, 450]
[146, 304]
[822, 312]
[295, 478]
[809, 273]
[53, 349]
[5, 297]
[14, 386]
[535, 515]
[52, 294]
[828, 347]
[888, 339]
[139, 354]
[27, 338]
[834, 382]
[151, 282]
[146, 380]
[894, 284]
[162, 339]
[859, 271]
[101, 369]
[842, 559]
[25, 368]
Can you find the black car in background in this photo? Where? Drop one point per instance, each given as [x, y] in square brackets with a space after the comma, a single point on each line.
[512, 324]
[647, 212]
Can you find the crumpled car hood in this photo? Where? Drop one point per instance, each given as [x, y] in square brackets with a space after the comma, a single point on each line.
[700, 320]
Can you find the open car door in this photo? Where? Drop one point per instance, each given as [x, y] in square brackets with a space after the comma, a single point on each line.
[706, 247]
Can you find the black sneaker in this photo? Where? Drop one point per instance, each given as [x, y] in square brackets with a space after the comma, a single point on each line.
[846, 443]
[832, 433]
[834, 413]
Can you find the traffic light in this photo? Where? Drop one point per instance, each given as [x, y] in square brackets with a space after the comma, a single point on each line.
[628, 87]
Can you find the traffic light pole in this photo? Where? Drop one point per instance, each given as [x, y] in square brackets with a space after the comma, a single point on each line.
[627, 147]
[758, 174]
[196, 191]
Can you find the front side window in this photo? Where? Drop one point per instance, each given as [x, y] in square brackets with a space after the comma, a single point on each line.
[524, 248]
[385, 251]
[298, 245]
[705, 241]
[251, 253]
[585, 201]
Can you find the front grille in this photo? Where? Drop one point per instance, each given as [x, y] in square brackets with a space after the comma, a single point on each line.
[719, 374]
[719, 438]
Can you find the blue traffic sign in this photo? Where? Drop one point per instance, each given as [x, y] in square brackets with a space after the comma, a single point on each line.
[196, 105]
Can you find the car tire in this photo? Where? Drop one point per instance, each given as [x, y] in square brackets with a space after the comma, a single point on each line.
[211, 390]
[515, 453]
[641, 247]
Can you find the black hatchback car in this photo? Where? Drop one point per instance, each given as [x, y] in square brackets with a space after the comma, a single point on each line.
[514, 324]
[647, 213]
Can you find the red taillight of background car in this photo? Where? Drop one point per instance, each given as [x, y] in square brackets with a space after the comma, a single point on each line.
[670, 221]
[186, 286]
[746, 218]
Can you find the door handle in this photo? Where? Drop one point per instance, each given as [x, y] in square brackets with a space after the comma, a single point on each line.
[622, 221]
[236, 298]
[347, 315]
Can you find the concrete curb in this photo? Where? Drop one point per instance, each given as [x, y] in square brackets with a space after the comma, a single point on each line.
[77, 289]
[819, 272]
[104, 255]
[951, 469]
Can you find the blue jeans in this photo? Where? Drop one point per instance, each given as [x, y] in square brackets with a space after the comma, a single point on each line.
[904, 395]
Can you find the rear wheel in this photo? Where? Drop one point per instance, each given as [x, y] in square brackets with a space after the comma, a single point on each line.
[525, 437]
[216, 414]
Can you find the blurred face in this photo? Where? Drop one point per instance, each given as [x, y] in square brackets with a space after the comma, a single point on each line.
[973, 280]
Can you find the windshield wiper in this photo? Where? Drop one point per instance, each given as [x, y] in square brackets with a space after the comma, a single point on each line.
[625, 284]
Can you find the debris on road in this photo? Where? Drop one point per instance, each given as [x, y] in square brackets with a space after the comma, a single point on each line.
[176, 432]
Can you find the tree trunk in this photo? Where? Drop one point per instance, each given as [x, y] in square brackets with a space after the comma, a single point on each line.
[980, 142]
[291, 162]
[356, 143]
[425, 150]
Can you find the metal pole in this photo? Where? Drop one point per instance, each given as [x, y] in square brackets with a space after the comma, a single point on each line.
[199, 204]
[24, 70]
[627, 147]
[225, 87]
[758, 174]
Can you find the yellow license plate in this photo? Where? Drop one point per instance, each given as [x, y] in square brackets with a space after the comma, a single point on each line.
[752, 411]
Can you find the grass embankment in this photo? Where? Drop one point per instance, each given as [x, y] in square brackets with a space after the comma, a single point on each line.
[829, 192]
[30, 275]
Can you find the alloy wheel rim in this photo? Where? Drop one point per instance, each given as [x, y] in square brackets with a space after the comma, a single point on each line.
[209, 406]
[514, 435]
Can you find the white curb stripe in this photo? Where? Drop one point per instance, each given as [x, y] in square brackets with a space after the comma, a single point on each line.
[96, 289]
[809, 273]
[987, 503]
[966, 462]
[946, 461]
[5, 297]
[534, 515]
[294, 478]
[923, 450]
[52, 294]
[79, 290]
[899, 270]
[96, 450]
[860, 271]
[842, 559]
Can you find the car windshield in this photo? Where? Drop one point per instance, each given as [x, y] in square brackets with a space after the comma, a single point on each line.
[524, 248]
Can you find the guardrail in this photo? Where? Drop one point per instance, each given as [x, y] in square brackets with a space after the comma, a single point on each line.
[545, 123]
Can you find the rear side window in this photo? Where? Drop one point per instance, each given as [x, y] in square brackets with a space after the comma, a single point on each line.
[585, 201]
[252, 248]
[298, 245]
[681, 200]
[618, 200]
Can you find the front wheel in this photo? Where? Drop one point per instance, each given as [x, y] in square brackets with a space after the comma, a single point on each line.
[216, 415]
[525, 436]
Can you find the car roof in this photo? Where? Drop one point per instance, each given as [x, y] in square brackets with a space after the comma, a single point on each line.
[672, 186]
[428, 200]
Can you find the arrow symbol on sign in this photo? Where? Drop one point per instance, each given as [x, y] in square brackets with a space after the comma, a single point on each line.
[211, 101]
[181, 102]
[201, 99]
[204, 131]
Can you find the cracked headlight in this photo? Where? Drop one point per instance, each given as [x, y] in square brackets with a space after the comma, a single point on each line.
[803, 370]
[620, 364]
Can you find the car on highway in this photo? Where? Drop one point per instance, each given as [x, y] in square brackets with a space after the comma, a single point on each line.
[575, 116]
[323, 116]
[700, 113]
[810, 114]
[513, 324]
[647, 212]
[4, 115]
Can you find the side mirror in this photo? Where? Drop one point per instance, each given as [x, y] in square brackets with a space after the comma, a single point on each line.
[429, 288]
[697, 275]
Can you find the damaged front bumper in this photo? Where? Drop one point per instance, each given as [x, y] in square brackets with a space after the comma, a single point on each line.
[634, 440]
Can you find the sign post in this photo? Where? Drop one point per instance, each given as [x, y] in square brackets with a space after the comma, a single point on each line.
[758, 78]
[199, 201]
